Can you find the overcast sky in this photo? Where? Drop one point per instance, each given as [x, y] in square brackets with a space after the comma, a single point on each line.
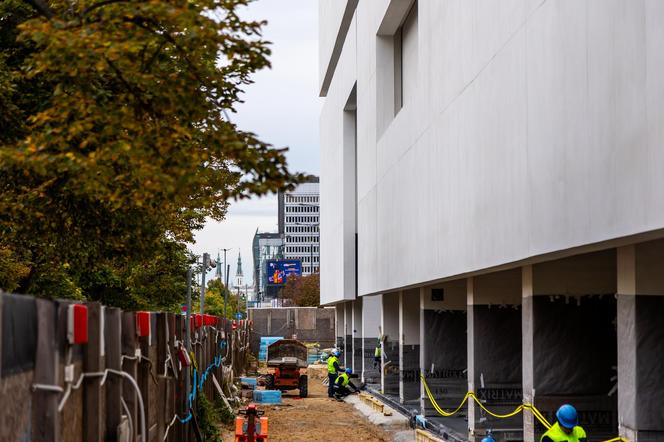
[282, 108]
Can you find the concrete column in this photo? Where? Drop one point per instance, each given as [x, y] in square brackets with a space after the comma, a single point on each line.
[409, 346]
[390, 354]
[423, 350]
[357, 362]
[527, 367]
[372, 308]
[348, 334]
[640, 341]
[471, 357]
[340, 315]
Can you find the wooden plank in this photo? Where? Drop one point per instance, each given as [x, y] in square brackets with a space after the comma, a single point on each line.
[162, 354]
[144, 379]
[45, 416]
[171, 381]
[92, 428]
[113, 383]
[129, 345]
[180, 391]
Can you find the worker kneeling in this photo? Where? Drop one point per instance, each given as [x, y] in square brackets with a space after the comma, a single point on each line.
[343, 385]
[567, 428]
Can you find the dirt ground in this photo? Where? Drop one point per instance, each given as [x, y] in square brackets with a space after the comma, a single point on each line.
[317, 418]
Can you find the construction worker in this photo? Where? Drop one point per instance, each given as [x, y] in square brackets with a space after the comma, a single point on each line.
[343, 385]
[489, 438]
[377, 355]
[333, 369]
[567, 428]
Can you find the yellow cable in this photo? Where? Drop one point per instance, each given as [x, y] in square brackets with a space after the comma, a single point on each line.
[538, 415]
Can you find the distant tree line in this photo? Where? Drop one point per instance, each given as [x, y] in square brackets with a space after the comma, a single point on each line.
[302, 291]
[115, 145]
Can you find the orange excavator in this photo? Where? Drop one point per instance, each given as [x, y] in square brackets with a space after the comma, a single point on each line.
[248, 428]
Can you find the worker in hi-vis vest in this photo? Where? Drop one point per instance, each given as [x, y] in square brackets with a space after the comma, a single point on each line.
[343, 385]
[567, 428]
[333, 370]
[377, 355]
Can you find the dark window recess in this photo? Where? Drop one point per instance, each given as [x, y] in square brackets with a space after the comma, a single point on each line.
[437, 294]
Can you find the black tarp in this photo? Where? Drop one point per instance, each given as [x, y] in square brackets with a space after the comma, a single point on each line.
[650, 362]
[445, 340]
[497, 344]
[19, 334]
[575, 344]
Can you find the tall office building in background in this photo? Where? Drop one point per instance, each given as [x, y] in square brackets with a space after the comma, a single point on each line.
[299, 216]
[266, 246]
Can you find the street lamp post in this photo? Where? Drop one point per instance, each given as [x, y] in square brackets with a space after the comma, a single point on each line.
[226, 284]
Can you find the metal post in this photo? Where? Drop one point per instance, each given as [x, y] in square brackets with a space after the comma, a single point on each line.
[226, 281]
[206, 260]
[187, 335]
[228, 270]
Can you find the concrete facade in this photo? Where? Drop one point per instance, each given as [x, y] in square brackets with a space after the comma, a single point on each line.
[490, 171]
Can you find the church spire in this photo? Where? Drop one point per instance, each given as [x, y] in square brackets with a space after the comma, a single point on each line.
[239, 280]
[238, 272]
[217, 272]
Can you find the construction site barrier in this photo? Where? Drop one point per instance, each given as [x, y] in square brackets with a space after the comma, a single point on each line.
[470, 394]
[84, 371]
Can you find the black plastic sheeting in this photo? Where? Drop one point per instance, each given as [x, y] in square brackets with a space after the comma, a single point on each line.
[19, 334]
[497, 344]
[391, 378]
[371, 374]
[410, 372]
[445, 341]
[575, 345]
[446, 351]
[650, 362]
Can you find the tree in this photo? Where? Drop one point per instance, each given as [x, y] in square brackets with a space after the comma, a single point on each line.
[304, 291]
[214, 300]
[114, 141]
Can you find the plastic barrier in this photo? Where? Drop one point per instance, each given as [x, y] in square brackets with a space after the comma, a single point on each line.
[267, 396]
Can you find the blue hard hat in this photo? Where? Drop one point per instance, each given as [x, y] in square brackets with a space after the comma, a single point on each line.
[489, 438]
[349, 370]
[567, 416]
[336, 353]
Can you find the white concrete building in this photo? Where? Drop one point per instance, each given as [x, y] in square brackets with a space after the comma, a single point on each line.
[299, 219]
[492, 186]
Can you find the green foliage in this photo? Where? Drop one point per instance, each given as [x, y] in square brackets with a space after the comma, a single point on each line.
[214, 300]
[225, 416]
[208, 419]
[304, 291]
[114, 147]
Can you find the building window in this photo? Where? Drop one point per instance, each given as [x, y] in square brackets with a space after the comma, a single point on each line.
[396, 61]
[405, 59]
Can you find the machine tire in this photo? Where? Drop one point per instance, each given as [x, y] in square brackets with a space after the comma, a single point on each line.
[303, 384]
[269, 382]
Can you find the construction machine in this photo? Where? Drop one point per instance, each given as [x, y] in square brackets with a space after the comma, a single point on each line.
[247, 429]
[287, 366]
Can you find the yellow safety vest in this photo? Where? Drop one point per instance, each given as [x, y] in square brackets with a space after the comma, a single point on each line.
[330, 364]
[556, 434]
[343, 379]
[377, 352]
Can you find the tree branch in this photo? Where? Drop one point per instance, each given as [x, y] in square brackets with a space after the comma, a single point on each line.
[41, 7]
